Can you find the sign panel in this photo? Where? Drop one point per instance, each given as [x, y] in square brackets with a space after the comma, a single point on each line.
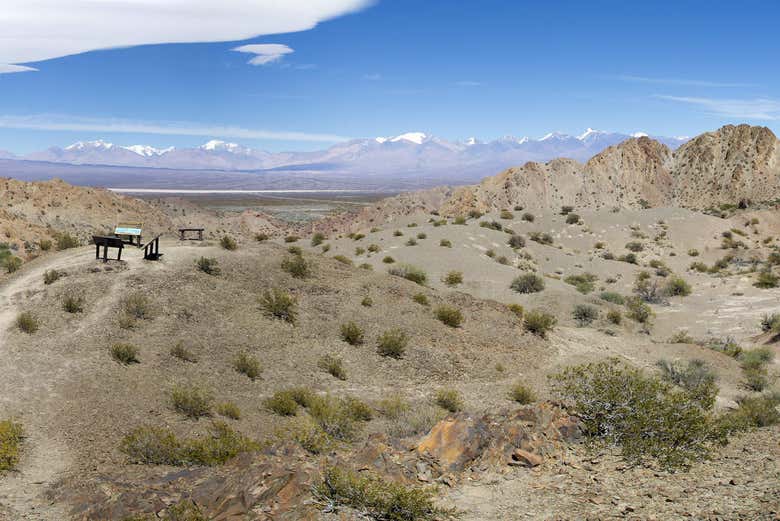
[121, 230]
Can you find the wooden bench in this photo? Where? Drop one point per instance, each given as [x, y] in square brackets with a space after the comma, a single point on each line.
[184, 231]
[107, 242]
[152, 249]
[127, 231]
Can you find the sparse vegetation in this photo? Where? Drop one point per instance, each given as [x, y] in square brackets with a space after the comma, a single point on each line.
[421, 299]
[343, 259]
[208, 265]
[613, 297]
[11, 436]
[453, 278]
[277, 303]
[377, 498]
[333, 365]
[449, 399]
[539, 323]
[677, 287]
[392, 343]
[522, 394]
[585, 314]
[228, 243]
[445, 243]
[247, 365]
[26, 322]
[73, 303]
[528, 217]
[297, 266]
[766, 279]
[516, 241]
[409, 272]
[449, 315]
[182, 353]
[317, 239]
[65, 241]
[572, 218]
[292, 238]
[528, 283]
[541, 238]
[506, 214]
[352, 334]
[584, 282]
[615, 317]
[12, 264]
[388, 260]
[125, 354]
[51, 276]
[193, 401]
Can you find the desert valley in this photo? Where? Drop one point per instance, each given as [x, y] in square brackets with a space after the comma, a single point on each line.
[561, 340]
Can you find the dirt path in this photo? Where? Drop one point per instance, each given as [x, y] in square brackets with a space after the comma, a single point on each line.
[29, 392]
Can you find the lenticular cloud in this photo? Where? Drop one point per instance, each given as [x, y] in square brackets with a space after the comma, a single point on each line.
[46, 29]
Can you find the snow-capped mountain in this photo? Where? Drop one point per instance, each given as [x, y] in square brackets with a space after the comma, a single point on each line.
[410, 153]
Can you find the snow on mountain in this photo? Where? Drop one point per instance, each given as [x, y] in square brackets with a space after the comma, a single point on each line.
[147, 151]
[410, 153]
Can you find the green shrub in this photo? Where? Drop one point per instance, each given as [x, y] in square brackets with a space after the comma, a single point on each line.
[422, 236]
[352, 334]
[522, 394]
[282, 403]
[45, 244]
[66, 241]
[11, 436]
[411, 242]
[539, 323]
[677, 287]
[333, 365]
[585, 314]
[449, 399]
[629, 258]
[392, 343]
[317, 239]
[373, 248]
[753, 412]
[506, 214]
[277, 303]
[640, 413]
[449, 315]
[26, 322]
[193, 401]
[693, 252]
[343, 259]
[528, 217]
[639, 311]
[492, 225]
[377, 498]
[541, 238]
[614, 317]
[516, 241]
[334, 416]
[409, 272]
[445, 243]
[367, 302]
[160, 446]
[635, 246]
[73, 303]
[208, 266]
[528, 283]
[453, 278]
[694, 376]
[248, 365]
[388, 260]
[291, 238]
[51, 276]
[699, 266]
[295, 250]
[572, 218]
[770, 323]
[261, 237]
[398, 233]
[228, 243]
[297, 266]
[182, 353]
[613, 297]
[517, 310]
[12, 264]
[125, 353]
[137, 306]
[421, 299]
[584, 282]
[766, 279]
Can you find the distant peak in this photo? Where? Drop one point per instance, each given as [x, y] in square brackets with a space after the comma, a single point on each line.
[554, 135]
[147, 151]
[590, 132]
[97, 144]
[639, 134]
[412, 137]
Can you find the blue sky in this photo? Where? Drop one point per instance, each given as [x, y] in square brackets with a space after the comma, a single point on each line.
[452, 69]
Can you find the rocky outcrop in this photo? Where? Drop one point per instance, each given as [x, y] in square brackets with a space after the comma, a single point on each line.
[277, 483]
[731, 164]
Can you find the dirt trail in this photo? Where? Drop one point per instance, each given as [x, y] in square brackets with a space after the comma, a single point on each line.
[23, 380]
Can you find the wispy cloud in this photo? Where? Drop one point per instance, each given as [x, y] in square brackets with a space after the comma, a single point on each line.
[375, 76]
[9, 69]
[680, 82]
[265, 53]
[79, 124]
[757, 108]
[468, 83]
[34, 31]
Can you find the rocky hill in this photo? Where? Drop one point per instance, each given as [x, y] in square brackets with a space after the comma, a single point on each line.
[731, 164]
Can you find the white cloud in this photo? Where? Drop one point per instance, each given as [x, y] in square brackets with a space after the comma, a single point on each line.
[682, 82]
[178, 128]
[265, 53]
[34, 31]
[758, 108]
[8, 69]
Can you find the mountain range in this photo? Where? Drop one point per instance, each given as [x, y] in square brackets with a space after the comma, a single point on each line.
[413, 159]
